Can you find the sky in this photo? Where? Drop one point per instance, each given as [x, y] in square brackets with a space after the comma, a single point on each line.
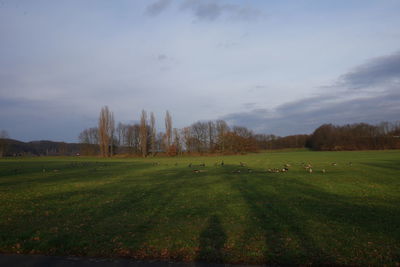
[277, 67]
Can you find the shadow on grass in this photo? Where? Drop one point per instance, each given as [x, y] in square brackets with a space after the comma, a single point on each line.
[109, 219]
[119, 218]
[212, 240]
[58, 172]
[287, 210]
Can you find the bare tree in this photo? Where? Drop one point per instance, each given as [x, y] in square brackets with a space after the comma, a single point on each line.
[111, 128]
[211, 136]
[187, 139]
[133, 138]
[160, 141]
[89, 141]
[199, 134]
[89, 136]
[106, 132]
[168, 130]
[93, 136]
[121, 133]
[153, 133]
[143, 133]
[242, 131]
[222, 129]
[177, 141]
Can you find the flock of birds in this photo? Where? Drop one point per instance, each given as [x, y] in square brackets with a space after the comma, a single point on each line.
[244, 169]
[199, 168]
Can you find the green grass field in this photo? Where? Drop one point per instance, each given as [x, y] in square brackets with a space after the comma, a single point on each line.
[96, 207]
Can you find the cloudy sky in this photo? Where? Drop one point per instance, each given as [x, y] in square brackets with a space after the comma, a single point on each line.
[280, 67]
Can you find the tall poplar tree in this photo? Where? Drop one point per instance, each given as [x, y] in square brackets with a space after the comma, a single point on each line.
[106, 132]
[168, 131]
[153, 133]
[143, 133]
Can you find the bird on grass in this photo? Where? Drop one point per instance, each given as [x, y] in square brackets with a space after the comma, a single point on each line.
[275, 170]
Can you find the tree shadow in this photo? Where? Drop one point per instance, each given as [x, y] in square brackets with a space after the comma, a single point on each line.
[41, 173]
[284, 212]
[115, 217]
[211, 241]
[119, 217]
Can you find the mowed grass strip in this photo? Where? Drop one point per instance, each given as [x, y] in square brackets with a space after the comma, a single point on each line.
[159, 208]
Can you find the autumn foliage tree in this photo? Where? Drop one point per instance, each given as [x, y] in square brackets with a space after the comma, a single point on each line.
[236, 143]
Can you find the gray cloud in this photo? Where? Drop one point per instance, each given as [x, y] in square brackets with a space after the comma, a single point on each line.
[157, 7]
[291, 120]
[211, 10]
[380, 70]
[341, 105]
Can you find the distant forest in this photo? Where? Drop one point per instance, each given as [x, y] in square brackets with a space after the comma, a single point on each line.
[202, 138]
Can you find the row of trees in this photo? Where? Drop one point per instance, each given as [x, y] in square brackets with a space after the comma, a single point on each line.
[142, 138]
[218, 137]
[358, 136]
[270, 141]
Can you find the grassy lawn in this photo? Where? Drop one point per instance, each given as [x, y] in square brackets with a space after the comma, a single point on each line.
[135, 208]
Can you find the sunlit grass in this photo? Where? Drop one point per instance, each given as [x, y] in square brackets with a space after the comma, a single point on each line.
[133, 207]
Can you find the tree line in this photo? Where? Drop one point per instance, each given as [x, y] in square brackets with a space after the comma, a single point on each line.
[142, 138]
[210, 137]
[202, 137]
[15, 148]
[357, 136]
